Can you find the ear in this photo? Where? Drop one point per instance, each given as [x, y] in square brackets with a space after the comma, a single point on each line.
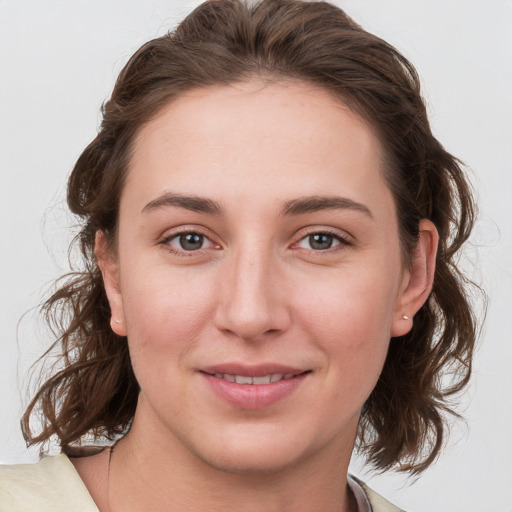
[109, 267]
[417, 281]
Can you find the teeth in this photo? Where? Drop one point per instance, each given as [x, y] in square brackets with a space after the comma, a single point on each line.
[261, 380]
[241, 379]
[264, 379]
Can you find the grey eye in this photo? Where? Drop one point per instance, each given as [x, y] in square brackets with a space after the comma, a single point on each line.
[188, 241]
[321, 241]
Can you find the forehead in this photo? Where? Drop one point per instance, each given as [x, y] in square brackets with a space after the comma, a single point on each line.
[256, 139]
[297, 108]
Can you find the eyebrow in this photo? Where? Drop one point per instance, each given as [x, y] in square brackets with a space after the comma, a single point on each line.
[193, 203]
[318, 203]
[297, 206]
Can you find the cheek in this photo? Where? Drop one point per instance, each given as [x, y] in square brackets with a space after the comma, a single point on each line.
[165, 314]
[353, 301]
[350, 319]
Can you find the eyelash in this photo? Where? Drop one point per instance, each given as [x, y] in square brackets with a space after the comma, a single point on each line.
[343, 242]
[166, 241]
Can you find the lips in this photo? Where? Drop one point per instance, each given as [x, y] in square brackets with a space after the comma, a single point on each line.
[259, 370]
[253, 387]
[248, 380]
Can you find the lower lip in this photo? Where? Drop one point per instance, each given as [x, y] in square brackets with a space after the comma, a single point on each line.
[253, 396]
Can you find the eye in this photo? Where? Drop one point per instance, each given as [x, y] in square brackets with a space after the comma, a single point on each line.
[321, 241]
[189, 242]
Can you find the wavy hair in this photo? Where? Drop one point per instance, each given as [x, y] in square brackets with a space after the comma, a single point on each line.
[225, 41]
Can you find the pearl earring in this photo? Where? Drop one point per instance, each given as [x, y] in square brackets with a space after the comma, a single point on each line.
[117, 321]
[405, 317]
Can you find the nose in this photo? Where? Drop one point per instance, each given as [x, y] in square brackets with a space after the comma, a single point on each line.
[252, 300]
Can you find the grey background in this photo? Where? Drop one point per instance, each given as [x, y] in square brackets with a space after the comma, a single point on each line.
[58, 61]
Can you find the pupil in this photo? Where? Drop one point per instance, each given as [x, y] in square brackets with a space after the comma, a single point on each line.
[320, 241]
[191, 241]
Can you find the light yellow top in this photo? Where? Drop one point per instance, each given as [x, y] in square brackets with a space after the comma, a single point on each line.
[53, 485]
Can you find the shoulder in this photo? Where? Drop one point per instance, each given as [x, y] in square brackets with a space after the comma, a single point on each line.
[52, 484]
[380, 504]
[368, 500]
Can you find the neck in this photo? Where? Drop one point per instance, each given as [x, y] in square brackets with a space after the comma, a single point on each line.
[152, 472]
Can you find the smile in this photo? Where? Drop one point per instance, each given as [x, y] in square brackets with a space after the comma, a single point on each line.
[256, 387]
[248, 380]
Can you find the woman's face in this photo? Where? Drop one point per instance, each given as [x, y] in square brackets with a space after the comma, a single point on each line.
[258, 242]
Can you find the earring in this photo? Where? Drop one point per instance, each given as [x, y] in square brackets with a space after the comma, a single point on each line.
[405, 317]
[117, 321]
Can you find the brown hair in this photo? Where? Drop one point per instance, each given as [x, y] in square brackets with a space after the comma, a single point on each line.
[226, 41]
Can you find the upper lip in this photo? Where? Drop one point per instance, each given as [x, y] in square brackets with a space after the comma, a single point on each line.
[252, 370]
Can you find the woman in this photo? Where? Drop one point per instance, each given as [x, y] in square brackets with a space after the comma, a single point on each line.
[269, 233]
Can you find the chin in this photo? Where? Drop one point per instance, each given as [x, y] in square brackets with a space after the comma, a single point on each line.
[251, 463]
[254, 453]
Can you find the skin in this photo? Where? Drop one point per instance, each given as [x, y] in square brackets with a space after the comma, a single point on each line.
[256, 291]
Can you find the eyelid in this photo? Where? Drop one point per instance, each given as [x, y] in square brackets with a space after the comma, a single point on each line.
[184, 230]
[345, 240]
[204, 239]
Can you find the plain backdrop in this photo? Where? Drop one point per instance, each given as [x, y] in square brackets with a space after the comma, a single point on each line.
[58, 62]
